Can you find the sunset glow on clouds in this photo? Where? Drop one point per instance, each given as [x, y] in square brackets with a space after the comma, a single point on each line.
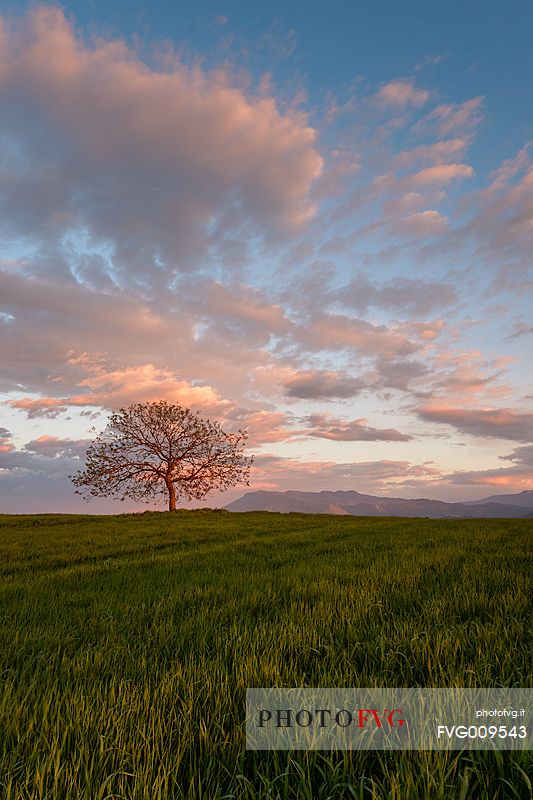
[342, 268]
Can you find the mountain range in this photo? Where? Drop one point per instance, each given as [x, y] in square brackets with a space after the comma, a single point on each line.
[354, 503]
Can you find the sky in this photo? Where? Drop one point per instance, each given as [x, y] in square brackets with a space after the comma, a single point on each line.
[311, 221]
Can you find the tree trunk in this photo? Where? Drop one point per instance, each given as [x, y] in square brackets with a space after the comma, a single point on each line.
[171, 496]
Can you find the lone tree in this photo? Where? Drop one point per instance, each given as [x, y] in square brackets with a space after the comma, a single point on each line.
[148, 449]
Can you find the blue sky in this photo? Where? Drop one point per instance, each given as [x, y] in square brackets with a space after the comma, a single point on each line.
[311, 221]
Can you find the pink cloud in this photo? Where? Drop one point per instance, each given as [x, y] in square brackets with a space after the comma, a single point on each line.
[323, 426]
[404, 296]
[278, 473]
[336, 331]
[412, 192]
[512, 166]
[446, 378]
[400, 94]
[501, 423]
[440, 175]
[426, 331]
[140, 158]
[54, 446]
[518, 476]
[237, 312]
[422, 224]
[321, 384]
[41, 407]
[132, 384]
[262, 426]
[450, 119]
[504, 478]
[502, 223]
[465, 377]
[407, 203]
[441, 152]
[6, 446]
[192, 339]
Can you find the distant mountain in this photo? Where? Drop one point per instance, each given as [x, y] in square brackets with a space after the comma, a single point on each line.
[524, 499]
[356, 504]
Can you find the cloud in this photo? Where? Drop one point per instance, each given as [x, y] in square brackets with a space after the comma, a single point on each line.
[399, 373]
[512, 166]
[63, 334]
[502, 224]
[52, 322]
[521, 456]
[519, 476]
[56, 447]
[439, 175]
[156, 166]
[411, 197]
[323, 426]
[492, 225]
[112, 390]
[423, 224]
[321, 385]
[262, 426]
[40, 459]
[5, 444]
[520, 329]
[431, 61]
[441, 152]
[279, 474]
[401, 94]
[326, 331]
[406, 203]
[448, 118]
[464, 376]
[34, 479]
[500, 423]
[401, 295]
[45, 407]
[235, 312]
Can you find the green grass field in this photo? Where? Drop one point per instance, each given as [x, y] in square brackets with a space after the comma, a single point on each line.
[127, 644]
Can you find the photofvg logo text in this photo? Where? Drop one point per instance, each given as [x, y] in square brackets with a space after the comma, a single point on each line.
[387, 719]
[285, 719]
[324, 717]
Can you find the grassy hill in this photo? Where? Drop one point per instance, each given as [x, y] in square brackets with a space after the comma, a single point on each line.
[127, 644]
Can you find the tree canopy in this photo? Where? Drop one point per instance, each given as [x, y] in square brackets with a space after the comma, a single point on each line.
[159, 448]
